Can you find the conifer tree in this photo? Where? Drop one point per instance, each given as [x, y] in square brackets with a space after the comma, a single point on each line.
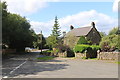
[56, 29]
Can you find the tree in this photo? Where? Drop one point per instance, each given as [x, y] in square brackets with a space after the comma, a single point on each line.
[114, 31]
[52, 41]
[109, 42]
[56, 32]
[102, 34]
[37, 43]
[16, 30]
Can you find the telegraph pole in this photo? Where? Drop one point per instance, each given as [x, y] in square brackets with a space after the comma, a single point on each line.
[41, 41]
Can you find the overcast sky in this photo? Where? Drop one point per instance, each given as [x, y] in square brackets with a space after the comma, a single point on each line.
[41, 14]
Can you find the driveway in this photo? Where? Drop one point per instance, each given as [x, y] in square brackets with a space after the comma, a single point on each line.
[63, 68]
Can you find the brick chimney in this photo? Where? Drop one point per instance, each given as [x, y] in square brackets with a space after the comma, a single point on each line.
[71, 27]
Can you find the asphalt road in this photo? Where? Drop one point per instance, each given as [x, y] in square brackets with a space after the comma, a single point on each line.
[58, 68]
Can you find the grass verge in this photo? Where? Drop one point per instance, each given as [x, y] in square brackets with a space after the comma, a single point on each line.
[117, 62]
[45, 58]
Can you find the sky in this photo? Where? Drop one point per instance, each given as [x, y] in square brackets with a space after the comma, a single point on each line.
[41, 14]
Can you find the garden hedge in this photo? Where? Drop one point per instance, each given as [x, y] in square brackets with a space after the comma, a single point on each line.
[82, 48]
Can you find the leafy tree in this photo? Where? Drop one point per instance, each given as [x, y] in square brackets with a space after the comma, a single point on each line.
[37, 43]
[56, 32]
[109, 42]
[16, 30]
[102, 34]
[52, 41]
[114, 31]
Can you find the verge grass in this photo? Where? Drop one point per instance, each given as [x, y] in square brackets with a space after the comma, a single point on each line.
[45, 58]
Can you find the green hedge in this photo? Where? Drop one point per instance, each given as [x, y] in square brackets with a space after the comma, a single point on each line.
[81, 48]
[95, 47]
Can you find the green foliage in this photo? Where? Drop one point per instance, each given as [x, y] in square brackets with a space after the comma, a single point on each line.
[40, 39]
[95, 47]
[109, 42]
[114, 31]
[16, 30]
[102, 34]
[71, 41]
[82, 48]
[82, 40]
[47, 52]
[45, 58]
[52, 41]
[56, 32]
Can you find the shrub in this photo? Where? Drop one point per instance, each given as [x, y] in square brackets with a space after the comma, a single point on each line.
[82, 40]
[47, 52]
[62, 48]
[109, 43]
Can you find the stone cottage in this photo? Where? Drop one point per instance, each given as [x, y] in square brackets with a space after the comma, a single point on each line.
[90, 32]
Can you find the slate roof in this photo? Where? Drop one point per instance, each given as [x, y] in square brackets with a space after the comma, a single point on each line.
[83, 31]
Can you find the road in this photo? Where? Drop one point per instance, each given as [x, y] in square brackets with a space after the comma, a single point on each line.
[58, 68]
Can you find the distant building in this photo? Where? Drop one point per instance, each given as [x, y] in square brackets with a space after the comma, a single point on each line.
[90, 32]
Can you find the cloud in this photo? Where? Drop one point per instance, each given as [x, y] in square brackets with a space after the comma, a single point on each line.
[103, 22]
[115, 5]
[25, 7]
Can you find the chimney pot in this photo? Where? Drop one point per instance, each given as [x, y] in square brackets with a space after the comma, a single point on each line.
[71, 27]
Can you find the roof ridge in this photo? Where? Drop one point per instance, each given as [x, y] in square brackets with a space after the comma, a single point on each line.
[86, 27]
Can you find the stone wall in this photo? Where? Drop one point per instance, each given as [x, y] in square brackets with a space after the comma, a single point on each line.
[5, 51]
[108, 55]
[87, 55]
[80, 55]
[64, 54]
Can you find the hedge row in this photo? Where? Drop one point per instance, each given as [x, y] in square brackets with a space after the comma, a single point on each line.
[82, 48]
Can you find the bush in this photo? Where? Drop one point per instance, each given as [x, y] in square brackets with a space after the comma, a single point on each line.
[47, 52]
[109, 43]
[82, 40]
[62, 48]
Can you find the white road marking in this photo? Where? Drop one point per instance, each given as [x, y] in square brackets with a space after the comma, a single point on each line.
[18, 67]
[5, 77]
[15, 69]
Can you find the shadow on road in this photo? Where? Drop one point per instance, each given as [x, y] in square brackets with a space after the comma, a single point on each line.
[32, 67]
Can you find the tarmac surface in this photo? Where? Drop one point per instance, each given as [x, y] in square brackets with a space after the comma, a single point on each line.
[25, 66]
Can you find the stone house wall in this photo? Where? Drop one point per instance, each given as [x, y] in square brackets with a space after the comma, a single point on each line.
[94, 36]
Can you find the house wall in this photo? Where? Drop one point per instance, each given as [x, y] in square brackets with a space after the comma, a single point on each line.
[94, 36]
[71, 40]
